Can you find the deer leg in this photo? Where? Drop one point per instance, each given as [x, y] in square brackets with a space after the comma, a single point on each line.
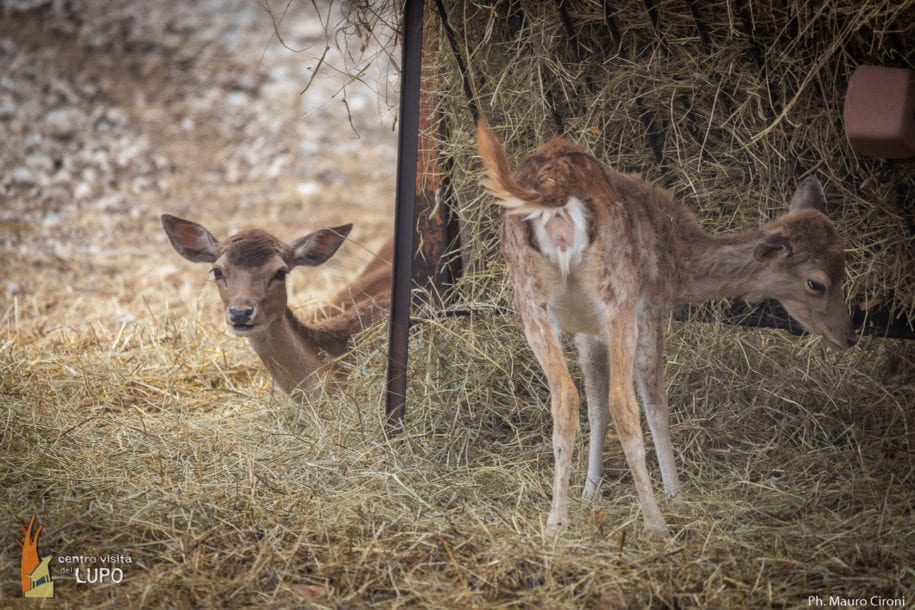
[625, 412]
[649, 370]
[592, 353]
[543, 336]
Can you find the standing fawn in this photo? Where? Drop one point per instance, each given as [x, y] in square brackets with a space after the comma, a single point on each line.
[250, 270]
[606, 256]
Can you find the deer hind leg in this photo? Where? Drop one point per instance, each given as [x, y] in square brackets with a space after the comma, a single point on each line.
[649, 370]
[625, 412]
[592, 353]
[543, 336]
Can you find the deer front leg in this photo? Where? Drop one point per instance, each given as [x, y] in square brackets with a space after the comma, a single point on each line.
[625, 412]
[592, 353]
[649, 370]
[543, 337]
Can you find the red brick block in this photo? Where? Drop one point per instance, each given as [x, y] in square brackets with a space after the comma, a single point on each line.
[880, 112]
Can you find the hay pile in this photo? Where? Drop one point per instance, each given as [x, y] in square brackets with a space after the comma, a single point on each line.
[161, 441]
[727, 106]
[160, 438]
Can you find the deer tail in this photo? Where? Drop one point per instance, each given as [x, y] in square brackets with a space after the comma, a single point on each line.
[499, 181]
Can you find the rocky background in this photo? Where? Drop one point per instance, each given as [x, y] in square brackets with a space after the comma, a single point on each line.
[112, 113]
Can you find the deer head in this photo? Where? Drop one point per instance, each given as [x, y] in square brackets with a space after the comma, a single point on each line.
[804, 259]
[250, 267]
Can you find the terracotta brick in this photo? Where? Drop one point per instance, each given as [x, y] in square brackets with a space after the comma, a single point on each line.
[880, 112]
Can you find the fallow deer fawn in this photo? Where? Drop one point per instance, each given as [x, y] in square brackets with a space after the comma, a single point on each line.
[606, 256]
[250, 270]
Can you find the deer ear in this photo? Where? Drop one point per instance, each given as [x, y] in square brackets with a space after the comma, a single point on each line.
[189, 239]
[317, 247]
[808, 196]
[772, 247]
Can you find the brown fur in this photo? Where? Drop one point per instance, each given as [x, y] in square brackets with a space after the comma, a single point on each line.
[369, 294]
[252, 248]
[247, 265]
[645, 254]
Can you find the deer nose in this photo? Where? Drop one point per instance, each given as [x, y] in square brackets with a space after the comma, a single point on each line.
[851, 337]
[240, 316]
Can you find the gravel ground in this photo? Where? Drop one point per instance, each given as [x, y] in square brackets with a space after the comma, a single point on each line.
[112, 113]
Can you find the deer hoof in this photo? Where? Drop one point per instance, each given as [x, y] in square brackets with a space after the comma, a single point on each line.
[657, 530]
[555, 525]
[676, 498]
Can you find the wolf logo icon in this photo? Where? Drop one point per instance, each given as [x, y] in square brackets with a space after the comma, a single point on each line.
[34, 572]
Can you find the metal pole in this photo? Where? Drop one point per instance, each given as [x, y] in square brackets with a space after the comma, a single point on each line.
[404, 236]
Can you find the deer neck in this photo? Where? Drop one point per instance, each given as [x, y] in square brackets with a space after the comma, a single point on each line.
[294, 353]
[721, 267]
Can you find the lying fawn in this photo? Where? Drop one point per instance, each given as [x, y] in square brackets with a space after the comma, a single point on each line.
[606, 256]
[250, 270]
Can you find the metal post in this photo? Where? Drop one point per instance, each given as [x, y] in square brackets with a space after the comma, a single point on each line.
[404, 236]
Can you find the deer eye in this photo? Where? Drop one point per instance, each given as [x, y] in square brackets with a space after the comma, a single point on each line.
[816, 287]
[280, 275]
[217, 273]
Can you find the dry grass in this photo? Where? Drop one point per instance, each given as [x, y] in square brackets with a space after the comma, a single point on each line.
[160, 438]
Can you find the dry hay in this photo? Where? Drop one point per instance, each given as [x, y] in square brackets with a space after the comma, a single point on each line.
[727, 106]
[160, 438]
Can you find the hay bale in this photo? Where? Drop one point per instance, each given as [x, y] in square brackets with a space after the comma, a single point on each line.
[726, 107]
